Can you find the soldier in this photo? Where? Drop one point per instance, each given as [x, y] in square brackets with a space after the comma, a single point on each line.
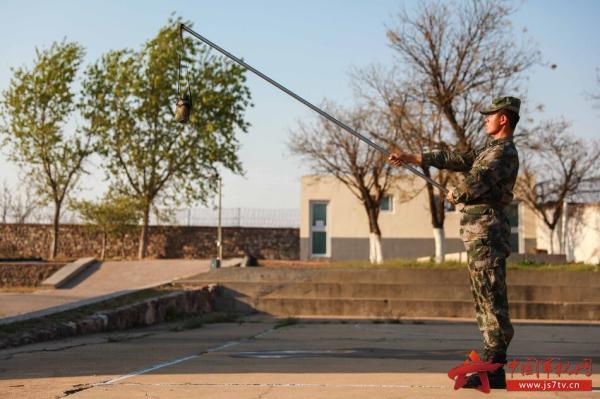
[487, 188]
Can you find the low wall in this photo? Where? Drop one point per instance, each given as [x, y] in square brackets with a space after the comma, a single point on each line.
[26, 274]
[76, 241]
[144, 313]
[343, 249]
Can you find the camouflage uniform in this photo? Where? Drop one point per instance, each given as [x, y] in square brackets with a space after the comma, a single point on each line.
[491, 173]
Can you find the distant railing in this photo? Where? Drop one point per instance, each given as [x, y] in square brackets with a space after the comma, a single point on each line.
[234, 217]
[230, 217]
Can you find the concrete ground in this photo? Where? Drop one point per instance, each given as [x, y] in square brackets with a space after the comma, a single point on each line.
[316, 358]
[99, 281]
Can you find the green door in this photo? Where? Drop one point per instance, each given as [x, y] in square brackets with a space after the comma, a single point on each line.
[318, 228]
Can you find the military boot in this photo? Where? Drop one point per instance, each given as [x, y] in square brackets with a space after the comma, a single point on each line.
[496, 378]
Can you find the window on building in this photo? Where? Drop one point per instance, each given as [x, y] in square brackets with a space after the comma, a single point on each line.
[319, 214]
[512, 212]
[387, 204]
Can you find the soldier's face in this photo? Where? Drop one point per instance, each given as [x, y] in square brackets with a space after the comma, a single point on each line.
[493, 123]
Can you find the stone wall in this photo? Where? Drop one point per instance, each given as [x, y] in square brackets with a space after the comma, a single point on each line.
[76, 241]
[24, 274]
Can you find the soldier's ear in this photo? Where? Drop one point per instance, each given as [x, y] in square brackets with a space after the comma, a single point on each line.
[503, 118]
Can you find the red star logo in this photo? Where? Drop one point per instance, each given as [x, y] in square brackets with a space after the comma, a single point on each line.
[470, 366]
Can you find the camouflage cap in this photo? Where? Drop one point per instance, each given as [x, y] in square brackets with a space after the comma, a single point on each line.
[510, 103]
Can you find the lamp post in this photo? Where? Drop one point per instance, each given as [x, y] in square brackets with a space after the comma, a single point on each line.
[219, 228]
[215, 263]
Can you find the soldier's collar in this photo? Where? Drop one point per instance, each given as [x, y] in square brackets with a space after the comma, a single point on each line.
[500, 141]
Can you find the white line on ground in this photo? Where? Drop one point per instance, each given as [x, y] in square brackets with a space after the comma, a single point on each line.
[183, 359]
[147, 370]
[227, 345]
[290, 385]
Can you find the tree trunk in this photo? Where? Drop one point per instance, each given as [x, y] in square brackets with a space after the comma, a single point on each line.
[551, 249]
[563, 229]
[438, 216]
[123, 236]
[440, 244]
[144, 234]
[103, 253]
[375, 249]
[55, 226]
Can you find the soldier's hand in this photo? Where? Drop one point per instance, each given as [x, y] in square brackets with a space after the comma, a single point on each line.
[450, 197]
[397, 158]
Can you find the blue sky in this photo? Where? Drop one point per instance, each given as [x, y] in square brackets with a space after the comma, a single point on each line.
[310, 47]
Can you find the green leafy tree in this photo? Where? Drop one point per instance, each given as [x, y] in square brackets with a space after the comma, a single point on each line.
[36, 109]
[114, 215]
[130, 97]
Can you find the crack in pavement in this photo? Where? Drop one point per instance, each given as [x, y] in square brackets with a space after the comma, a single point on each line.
[67, 347]
[260, 396]
[76, 388]
[11, 355]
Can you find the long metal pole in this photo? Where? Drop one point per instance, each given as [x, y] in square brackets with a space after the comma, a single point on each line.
[219, 227]
[309, 105]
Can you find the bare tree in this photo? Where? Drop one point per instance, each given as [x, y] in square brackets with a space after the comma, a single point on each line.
[6, 202]
[458, 55]
[333, 151]
[557, 167]
[17, 205]
[25, 204]
[419, 128]
[453, 58]
[595, 96]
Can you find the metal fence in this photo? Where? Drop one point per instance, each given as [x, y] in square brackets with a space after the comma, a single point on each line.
[235, 217]
[230, 217]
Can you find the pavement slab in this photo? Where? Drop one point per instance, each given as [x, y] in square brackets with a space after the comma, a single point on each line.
[253, 359]
[101, 281]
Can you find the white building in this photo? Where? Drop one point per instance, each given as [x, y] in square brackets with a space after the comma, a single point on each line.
[334, 224]
[577, 235]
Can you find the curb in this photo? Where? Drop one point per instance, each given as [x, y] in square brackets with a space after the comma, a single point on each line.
[139, 314]
[227, 263]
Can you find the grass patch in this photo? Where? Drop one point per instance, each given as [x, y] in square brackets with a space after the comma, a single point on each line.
[395, 263]
[19, 289]
[117, 338]
[567, 267]
[401, 263]
[288, 321]
[208, 318]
